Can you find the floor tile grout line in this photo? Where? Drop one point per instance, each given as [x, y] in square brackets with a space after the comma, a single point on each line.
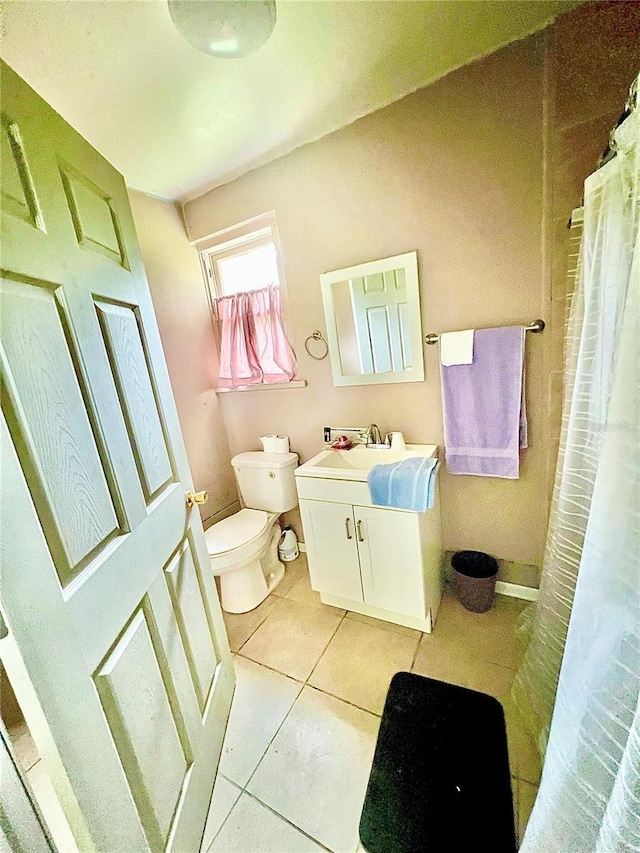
[474, 657]
[271, 595]
[326, 646]
[275, 734]
[307, 683]
[291, 601]
[244, 642]
[255, 769]
[243, 789]
[346, 701]
[303, 685]
[286, 716]
[286, 820]
[271, 668]
[390, 627]
[240, 793]
[415, 654]
[317, 663]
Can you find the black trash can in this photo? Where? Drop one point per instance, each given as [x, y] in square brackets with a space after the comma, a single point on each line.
[474, 580]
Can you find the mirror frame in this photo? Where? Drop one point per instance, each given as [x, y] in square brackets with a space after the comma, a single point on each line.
[407, 262]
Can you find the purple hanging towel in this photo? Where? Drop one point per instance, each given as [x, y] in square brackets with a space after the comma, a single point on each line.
[485, 420]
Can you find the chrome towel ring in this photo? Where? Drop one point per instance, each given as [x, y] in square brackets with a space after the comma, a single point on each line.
[316, 336]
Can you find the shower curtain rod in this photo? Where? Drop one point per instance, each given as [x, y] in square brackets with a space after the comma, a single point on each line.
[536, 326]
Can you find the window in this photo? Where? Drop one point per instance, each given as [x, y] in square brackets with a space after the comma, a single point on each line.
[248, 265]
[243, 274]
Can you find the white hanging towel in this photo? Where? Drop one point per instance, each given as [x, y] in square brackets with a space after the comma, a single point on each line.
[456, 348]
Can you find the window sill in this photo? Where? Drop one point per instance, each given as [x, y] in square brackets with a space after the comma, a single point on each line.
[276, 386]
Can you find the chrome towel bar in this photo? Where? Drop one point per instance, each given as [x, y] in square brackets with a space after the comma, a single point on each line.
[536, 326]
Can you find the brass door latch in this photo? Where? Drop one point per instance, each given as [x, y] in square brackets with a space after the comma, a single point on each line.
[194, 498]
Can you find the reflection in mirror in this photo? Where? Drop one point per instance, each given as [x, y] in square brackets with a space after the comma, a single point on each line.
[373, 322]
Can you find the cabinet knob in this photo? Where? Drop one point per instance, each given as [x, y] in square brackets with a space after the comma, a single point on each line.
[346, 527]
[359, 529]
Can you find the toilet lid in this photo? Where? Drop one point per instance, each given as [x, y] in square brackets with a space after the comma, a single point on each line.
[236, 530]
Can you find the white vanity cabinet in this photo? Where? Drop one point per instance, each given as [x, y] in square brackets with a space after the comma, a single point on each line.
[385, 563]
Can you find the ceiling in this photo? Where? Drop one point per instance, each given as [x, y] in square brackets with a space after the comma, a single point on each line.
[177, 122]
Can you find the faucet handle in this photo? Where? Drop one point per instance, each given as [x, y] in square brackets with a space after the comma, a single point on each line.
[397, 442]
[374, 436]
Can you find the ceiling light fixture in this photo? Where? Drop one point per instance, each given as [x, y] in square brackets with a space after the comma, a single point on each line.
[225, 28]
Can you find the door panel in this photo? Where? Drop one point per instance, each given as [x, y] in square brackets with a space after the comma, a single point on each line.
[106, 584]
[172, 659]
[94, 215]
[129, 363]
[132, 691]
[391, 560]
[18, 192]
[193, 622]
[52, 428]
[379, 306]
[333, 558]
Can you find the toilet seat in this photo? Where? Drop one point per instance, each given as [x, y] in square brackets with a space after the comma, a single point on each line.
[235, 531]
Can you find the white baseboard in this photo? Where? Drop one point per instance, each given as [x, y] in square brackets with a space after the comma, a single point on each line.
[302, 547]
[516, 590]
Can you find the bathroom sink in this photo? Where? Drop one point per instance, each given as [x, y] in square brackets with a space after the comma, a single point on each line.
[356, 463]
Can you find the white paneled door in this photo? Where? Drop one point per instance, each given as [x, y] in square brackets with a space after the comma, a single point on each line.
[114, 636]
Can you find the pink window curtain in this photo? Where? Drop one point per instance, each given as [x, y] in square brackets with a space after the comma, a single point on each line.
[254, 349]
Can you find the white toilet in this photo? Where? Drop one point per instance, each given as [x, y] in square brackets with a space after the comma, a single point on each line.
[243, 549]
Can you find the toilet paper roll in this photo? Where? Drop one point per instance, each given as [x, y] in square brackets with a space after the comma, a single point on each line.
[275, 443]
[281, 444]
[268, 443]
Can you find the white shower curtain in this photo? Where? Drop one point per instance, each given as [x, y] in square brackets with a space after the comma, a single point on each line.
[589, 798]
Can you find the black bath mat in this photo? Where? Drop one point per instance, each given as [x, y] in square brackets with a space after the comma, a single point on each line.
[440, 780]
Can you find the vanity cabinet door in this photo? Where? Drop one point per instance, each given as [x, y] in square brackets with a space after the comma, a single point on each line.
[332, 549]
[391, 560]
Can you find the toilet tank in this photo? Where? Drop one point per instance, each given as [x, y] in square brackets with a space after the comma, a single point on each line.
[266, 480]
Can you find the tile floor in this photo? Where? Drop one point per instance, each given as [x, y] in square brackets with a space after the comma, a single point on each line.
[306, 711]
[305, 715]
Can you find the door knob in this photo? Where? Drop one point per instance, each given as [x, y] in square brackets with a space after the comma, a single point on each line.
[194, 498]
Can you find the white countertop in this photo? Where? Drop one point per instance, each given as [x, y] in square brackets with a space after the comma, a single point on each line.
[356, 463]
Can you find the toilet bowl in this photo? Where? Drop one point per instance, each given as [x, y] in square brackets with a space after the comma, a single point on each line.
[243, 548]
[243, 553]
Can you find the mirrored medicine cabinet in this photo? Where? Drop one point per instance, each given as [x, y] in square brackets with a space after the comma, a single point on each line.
[372, 312]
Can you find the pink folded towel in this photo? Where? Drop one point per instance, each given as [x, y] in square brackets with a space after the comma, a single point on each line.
[485, 420]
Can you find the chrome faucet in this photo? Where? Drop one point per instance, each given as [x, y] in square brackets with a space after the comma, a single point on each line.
[374, 436]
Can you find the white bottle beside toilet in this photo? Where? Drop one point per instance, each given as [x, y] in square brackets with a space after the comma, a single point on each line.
[243, 549]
